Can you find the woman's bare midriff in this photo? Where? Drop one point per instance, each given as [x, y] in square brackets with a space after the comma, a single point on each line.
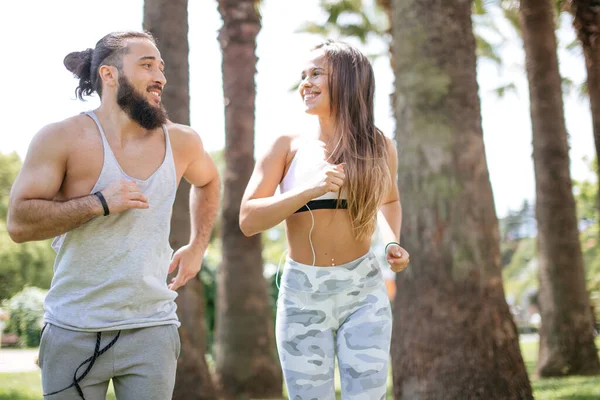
[332, 238]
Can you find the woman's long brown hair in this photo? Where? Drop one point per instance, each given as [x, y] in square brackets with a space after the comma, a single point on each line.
[362, 146]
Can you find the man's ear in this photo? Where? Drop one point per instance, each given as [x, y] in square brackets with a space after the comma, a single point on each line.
[109, 75]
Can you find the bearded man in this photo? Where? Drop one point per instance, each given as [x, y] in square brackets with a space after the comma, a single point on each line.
[103, 183]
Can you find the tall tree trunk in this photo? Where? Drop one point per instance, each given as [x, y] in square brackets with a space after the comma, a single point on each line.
[566, 335]
[167, 20]
[454, 336]
[586, 20]
[245, 352]
[386, 6]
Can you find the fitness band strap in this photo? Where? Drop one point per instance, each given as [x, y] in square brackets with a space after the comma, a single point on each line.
[103, 201]
[389, 244]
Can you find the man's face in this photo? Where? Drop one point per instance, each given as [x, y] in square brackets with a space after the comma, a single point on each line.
[141, 82]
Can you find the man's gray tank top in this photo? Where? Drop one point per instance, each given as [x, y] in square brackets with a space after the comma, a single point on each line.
[111, 272]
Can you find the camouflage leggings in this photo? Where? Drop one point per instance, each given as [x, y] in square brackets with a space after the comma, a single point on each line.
[327, 311]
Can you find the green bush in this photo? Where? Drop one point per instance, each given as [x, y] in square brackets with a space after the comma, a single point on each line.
[23, 264]
[26, 310]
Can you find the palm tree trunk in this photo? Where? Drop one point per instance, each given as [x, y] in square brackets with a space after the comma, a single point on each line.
[386, 5]
[167, 20]
[245, 353]
[566, 335]
[586, 21]
[454, 336]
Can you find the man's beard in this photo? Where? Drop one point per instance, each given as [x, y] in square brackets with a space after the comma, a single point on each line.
[138, 108]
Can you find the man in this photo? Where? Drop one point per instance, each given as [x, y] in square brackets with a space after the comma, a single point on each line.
[103, 183]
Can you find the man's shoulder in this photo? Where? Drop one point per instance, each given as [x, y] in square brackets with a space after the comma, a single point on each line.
[67, 126]
[185, 142]
[183, 136]
[181, 131]
[64, 131]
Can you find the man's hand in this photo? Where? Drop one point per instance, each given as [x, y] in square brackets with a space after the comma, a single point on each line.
[189, 260]
[397, 257]
[123, 195]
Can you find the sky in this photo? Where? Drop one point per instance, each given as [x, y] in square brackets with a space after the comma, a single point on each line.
[35, 36]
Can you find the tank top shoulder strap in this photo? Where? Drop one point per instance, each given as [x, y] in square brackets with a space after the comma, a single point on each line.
[93, 116]
[169, 161]
[168, 148]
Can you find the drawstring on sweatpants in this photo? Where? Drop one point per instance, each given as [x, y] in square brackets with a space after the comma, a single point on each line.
[91, 360]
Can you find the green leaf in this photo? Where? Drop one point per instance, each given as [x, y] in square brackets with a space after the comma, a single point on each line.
[501, 91]
[10, 164]
[478, 8]
[583, 90]
[349, 18]
[314, 28]
[486, 50]
[511, 13]
[294, 87]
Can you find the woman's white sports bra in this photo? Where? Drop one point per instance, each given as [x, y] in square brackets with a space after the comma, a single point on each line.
[308, 161]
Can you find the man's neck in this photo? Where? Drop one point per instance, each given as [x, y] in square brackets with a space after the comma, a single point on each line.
[117, 123]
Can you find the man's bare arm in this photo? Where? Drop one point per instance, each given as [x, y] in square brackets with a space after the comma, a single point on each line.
[33, 212]
[43, 219]
[204, 203]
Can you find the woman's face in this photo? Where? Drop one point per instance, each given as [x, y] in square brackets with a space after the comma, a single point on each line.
[314, 87]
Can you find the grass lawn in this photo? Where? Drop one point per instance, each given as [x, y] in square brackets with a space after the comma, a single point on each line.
[27, 386]
[569, 388]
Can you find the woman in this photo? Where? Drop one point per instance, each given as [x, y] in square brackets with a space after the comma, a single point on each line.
[333, 300]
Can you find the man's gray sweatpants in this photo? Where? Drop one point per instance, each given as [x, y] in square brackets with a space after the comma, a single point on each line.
[141, 363]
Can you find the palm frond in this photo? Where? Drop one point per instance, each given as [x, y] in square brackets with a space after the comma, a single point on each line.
[583, 90]
[314, 28]
[486, 50]
[295, 86]
[567, 85]
[375, 56]
[570, 87]
[511, 13]
[574, 45]
[478, 8]
[347, 18]
[336, 8]
[501, 91]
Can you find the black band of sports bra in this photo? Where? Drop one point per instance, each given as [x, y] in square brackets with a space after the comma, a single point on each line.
[323, 204]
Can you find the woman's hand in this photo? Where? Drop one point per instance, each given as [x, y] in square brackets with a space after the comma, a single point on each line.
[330, 179]
[397, 257]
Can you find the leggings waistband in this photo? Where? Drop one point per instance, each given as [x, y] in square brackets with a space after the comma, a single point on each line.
[364, 271]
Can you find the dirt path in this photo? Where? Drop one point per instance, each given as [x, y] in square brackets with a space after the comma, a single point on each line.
[18, 360]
